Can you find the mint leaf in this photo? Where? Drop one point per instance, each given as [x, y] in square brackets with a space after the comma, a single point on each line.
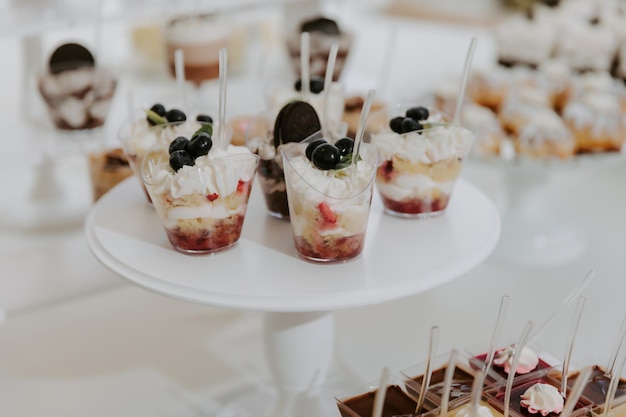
[346, 161]
[205, 128]
[155, 118]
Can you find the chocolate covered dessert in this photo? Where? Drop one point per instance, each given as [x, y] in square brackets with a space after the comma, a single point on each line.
[77, 93]
[323, 33]
[597, 388]
[397, 403]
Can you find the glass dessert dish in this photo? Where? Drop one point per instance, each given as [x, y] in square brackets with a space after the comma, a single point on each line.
[360, 402]
[420, 156]
[260, 140]
[139, 136]
[462, 381]
[76, 92]
[200, 37]
[200, 201]
[535, 394]
[329, 200]
[107, 168]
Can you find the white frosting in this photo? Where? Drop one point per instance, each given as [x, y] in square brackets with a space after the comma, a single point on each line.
[143, 136]
[542, 398]
[527, 41]
[598, 81]
[587, 46]
[527, 362]
[600, 111]
[196, 30]
[544, 125]
[430, 146]
[481, 411]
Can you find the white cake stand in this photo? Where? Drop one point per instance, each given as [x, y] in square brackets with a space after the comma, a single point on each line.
[263, 272]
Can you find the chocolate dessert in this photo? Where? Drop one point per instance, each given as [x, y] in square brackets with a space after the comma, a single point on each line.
[396, 403]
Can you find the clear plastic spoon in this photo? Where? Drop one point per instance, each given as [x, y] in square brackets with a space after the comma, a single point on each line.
[428, 372]
[516, 357]
[572, 338]
[222, 137]
[328, 80]
[618, 346]
[381, 393]
[615, 378]
[179, 71]
[576, 392]
[497, 331]
[305, 77]
[360, 131]
[447, 382]
[466, 70]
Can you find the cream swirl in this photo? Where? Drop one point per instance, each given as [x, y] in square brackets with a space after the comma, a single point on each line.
[142, 136]
[527, 362]
[481, 411]
[542, 398]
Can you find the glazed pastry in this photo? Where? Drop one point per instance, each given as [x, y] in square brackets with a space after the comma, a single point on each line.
[545, 135]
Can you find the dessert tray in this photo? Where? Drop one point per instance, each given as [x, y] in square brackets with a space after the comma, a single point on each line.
[263, 272]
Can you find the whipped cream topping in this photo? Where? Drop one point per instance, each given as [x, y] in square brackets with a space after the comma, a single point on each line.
[544, 125]
[217, 172]
[600, 111]
[543, 399]
[196, 30]
[481, 411]
[527, 362]
[410, 186]
[430, 146]
[143, 136]
[528, 41]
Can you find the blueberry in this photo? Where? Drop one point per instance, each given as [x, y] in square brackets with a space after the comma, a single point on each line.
[175, 115]
[396, 124]
[298, 85]
[159, 109]
[418, 113]
[180, 143]
[325, 156]
[316, 85]
[199, 145]
[311, 147]
[204, 118]
[180, 158]
[345, 146]
[410, 125]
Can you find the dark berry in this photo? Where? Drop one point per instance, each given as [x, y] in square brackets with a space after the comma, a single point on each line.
[175, 115]
[180, 143]
[180, 158]
[298, 85]
[325, 156]
[199, 145]
[410, 125]
[311, 147]
[418, 113]
[345, 146]
[316, 85]
[396, 124]
[159, 109]
[204, 118]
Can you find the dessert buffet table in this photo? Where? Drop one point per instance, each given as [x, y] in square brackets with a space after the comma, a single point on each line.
[77, 339]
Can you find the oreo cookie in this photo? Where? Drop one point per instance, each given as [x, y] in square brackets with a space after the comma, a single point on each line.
[70, 56]
[320, 24]
[295, 122]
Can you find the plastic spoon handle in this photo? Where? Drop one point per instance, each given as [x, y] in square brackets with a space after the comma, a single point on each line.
[572, 338]
[567, 301]
[223, 57]
[381, 392]
[304, 63]
[618, 346]
[428, 372]
[179, 71]
[497, 331]
[328, 82]
[610, 394]
[477, 390]
[576, 391]
[466, 70]
[447, 382]
[516, 357]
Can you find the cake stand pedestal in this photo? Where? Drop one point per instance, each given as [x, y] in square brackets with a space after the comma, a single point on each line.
[263, 272]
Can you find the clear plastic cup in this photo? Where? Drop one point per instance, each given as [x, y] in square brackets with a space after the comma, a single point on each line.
[329, 210]
[417, 170]
[202, 207]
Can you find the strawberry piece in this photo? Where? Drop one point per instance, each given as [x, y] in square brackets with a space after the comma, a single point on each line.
[212, 197]
[241, 186]
[327, 213]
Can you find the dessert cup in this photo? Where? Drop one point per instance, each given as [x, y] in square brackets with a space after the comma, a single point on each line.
[78, 98]
[260, 140]
[461, 383]
[138, 138]
[360, 402]
[200, 37]
[201, 207]
[496, 393]
[596, 389]
[107, 168]
[417, 170]
[329, 209]
[461, 408]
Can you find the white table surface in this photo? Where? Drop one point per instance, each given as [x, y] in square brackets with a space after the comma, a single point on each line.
[77, 340]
